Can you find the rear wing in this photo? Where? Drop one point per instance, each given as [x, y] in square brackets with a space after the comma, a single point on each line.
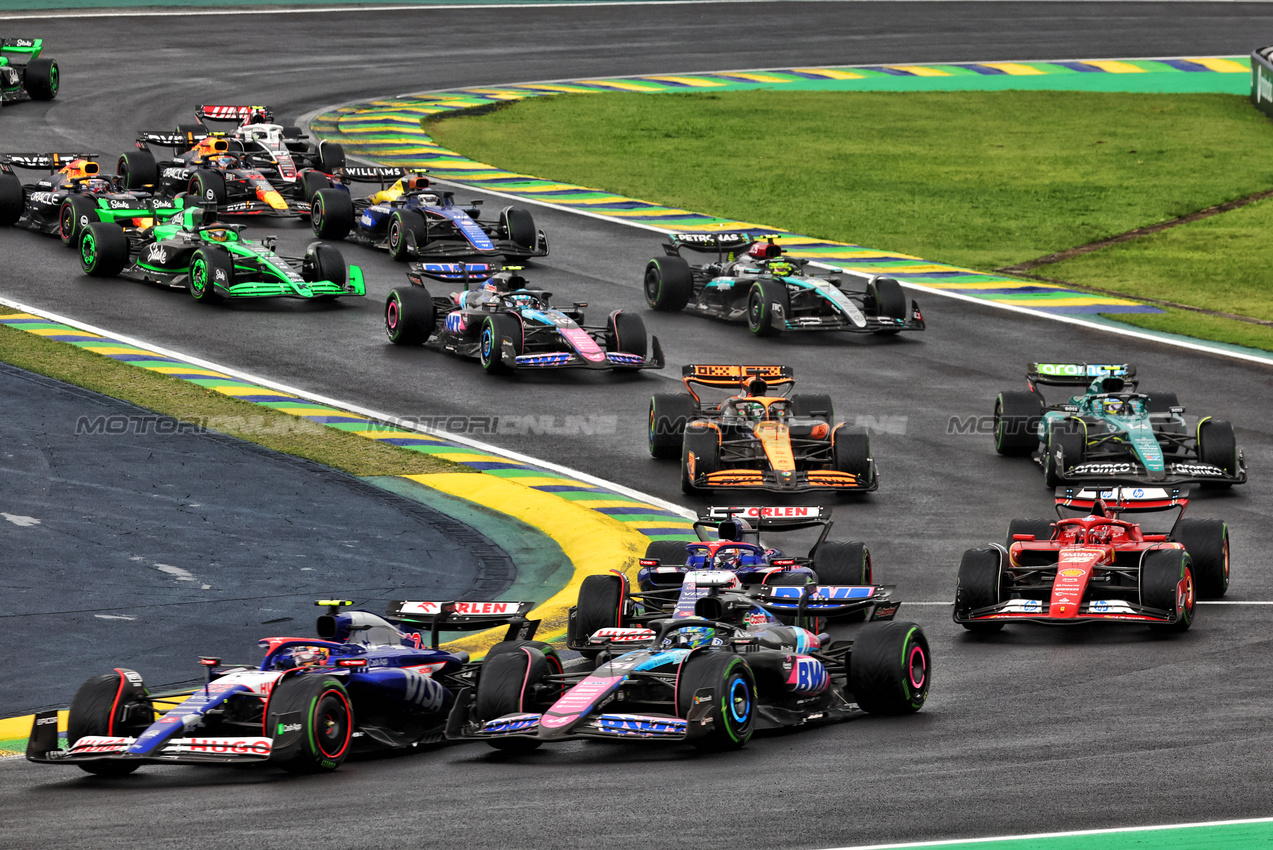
[1123, 499]
[439, 617]
[828, 600]
[21, 48]
[733, 378]
[770, 518]
[709, 242]
[373, 174]
[170, 139]
[50, 162]
[1076, 374]
[211, 112]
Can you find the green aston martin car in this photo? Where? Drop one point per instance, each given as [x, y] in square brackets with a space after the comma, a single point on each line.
[192, 250]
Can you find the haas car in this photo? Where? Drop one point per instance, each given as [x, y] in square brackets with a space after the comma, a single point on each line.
[497, 320]
[758, 440]
[756, 282]
[1112, 432]
[282, 152]
[723, 665]
[729, 539]
[24, 73]
[192, 250]
[412, 220]
[1093, 564]
[365, 683]
[74, 193]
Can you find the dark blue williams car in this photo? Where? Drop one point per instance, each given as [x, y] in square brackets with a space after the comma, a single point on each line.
[412, 220]
[365, 683]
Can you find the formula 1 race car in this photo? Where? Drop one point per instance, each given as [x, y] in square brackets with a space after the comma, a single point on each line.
[281, 152]
[1112, 433]
[756, 440]
[718, 669]
[498, 321]
[729, 538]
[74, 194]
[1091, 565]
[365, 683]
[192, 250]
[753, 280]
[412, 220]
[24, 73]
[219, 171]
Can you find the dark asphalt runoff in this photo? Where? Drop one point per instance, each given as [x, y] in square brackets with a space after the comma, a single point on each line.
[1033, 730]
[131, 541]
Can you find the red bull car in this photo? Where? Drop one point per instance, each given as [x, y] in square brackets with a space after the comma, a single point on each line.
[496, 319]
[1094, 565]
[711, 674]
[365, 683]
[759, 438]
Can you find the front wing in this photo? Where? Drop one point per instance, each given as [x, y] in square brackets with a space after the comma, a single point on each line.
[1094, 611]
[44, 747]
[789, 482]
[1129, 470]
[570, 359]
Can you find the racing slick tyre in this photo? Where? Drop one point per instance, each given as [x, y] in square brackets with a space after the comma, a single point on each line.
[519, 224]
[326, 719]
[511, 682]
[625, 333]
[548, 693]
[732, 708]
[1218, 446]
[331, 156]
[761, 299]
[410, 315]
[981, 584]
[842, 563]
[1159, 406]
[496, 330]
[1017, 416]
[42, 78]
[851, 452]
[103, 249]
[331, 213]
[600, 606]
[188, 131]
[208, 186]
[669, 414]
[323, 262]
[73, 217]
[406, 228]
[1068, 438]
[890, 668]
[1207, 542]
[700, 454]
[1040, 528]
[210, 268]
[667, 552]
[889, 300]
[103, 706]
[311, 183]
[12, 199]
[813, 406]
[1161, 574]
[669, 284]
[137, 170]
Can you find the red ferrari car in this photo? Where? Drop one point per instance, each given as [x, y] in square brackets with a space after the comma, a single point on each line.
[1096, 566]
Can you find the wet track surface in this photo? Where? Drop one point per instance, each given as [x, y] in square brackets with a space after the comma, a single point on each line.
[1032, 730]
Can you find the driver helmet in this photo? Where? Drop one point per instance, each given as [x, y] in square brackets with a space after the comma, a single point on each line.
[311, 656]
[750, 410]
[691, 637]
[217, 234]
[1118, 407]
[782, 268]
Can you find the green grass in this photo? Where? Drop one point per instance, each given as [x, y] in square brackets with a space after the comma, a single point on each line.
[980, 179]
[191, 403]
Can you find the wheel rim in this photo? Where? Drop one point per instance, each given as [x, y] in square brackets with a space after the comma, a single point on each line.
[739, 701]
[755, 309]
[1225, 555]
[917, 668]
[88, 250]
[331, 724]
[1187, 610]
[392, 316]
[54, 79]
[998, 425]
[652, 287]
[199, 276]
[316, 213]
[395, 235]
[651, 431]
[488, 342]
[67, 223]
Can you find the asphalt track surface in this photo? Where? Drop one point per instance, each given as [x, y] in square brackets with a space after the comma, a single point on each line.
[1033, 730]
[130, 540]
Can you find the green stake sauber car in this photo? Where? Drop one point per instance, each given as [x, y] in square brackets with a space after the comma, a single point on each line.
[24, 73]
[192, 250]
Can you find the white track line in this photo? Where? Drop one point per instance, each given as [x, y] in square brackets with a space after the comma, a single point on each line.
[362, 411]
[1040, 835]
